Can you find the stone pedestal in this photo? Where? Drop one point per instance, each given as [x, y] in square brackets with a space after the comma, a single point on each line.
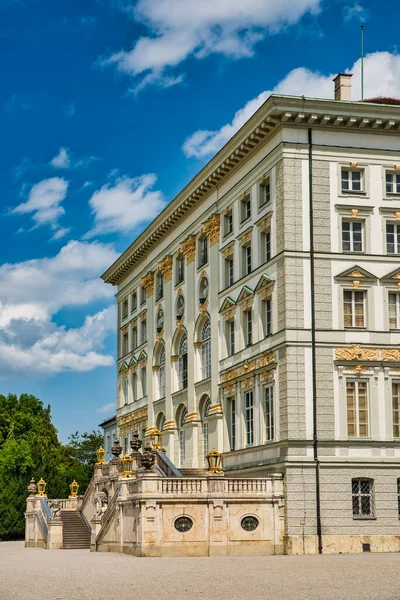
[96, 526]
[55, 534]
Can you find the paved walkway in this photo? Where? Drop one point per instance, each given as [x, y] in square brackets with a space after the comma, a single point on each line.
[64, 574]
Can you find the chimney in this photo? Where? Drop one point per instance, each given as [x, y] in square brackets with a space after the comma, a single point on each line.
[343, 86]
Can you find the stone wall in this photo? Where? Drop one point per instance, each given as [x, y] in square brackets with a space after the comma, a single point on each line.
[292, 406]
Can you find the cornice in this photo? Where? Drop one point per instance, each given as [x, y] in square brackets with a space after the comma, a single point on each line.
[277, 110]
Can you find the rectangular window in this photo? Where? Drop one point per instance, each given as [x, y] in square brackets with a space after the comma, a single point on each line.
[394, 310]
[134, 338]
[266, 243]
[357, 409]
[267, 310]
[228, 223]
[125, 445]
[125, 380]
[392, 238]
[144, 381]
[203, 247]
[354, 308]
[232, 423]
[249, 418]
[125, 344]
[142, 295]
[352, 236]
[352, 180]
[395, 408]
[269, 413]
[133, 302]
[161, 382]
[181, 447]
[248, 327]
[159, 286]
[265, 192]
[124, 309]
[229, 272]
[230, 337]
[393, 183]
[180, 269]
[362, 493]
[246, 259]
[134, 386]
[144, 331]
[245, 209]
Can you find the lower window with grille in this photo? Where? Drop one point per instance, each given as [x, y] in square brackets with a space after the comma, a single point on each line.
[363, 500]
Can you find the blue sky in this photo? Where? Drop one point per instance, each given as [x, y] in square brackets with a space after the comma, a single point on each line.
[107, 109]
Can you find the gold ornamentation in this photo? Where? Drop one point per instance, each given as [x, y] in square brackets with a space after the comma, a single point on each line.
[358, 370]
[245, 238]
[227, 251]
[174, 358]
[353, 165]
[192, 417]
[156, 368]
[180, 291]
[198, 345]
[124, 329]
[188, 249]
[160, 335]
[169, 425]
[265, 224]
[230, 389]
[133, 417]
[148, 283]
[391, 354]
[180, 323]
[356, 284]
[134, 323]
[134, 368]
[203, 307]
[215, 409]
[211, 228]
[355, 273]
[354, 213]
[143, 362]
[230, 314]
[355, 352]
[396, 276]
[203, 273]
[143, 315]
[248, 366]
[247, 383]
[165, 268]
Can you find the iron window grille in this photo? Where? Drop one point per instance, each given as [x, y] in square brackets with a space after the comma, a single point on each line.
[362, 495]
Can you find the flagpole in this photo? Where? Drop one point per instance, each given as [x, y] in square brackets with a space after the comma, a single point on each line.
[362, 62]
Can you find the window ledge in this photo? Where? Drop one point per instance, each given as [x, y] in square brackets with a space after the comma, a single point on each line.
[202, 266]
[247, 220]
[352, 193]
[364, 518]
[226, 235]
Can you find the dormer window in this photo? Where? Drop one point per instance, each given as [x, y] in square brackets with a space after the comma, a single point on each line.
[352, 180]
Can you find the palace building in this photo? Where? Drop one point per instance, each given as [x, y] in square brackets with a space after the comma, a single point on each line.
[259, 314]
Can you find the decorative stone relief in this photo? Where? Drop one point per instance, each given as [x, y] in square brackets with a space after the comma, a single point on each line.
[148, 283]
[55, 510]
[165, 268]
[211, 228]
[100, 505]
[249, 365]
[188, 249]
[357, 352]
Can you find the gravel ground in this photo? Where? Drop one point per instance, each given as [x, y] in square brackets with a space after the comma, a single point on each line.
[61, 575]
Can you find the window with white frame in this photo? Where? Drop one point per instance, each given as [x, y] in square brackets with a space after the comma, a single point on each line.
[265, 192]
[357, 408]
[266, 245]
[392, 183]
[180, 269]
[269, 413]
[249, 418]
[245, 208]
[248, 327]
[133, 302]
[230, 337]
[362, 496]
[144, 381]
[125, 343]
[183, 364]
[354, 308]
[206, 350]
[232, 422]
[352, 180]
[396, 408]
[144, 331]
[126, 389]
[161, 373]
[394, 310]
[352, 236]
[204, 425]
[125, 309]
[181, 437]
[134, 387]
[229, 272]
[228, 222]
[159, 286]
[246, 259]
[393, 238]
[134, 337]
[203, 251]
[267, 316]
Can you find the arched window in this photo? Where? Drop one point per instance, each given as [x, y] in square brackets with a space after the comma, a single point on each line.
[160, 422]
[182, 363]
[206, 350]
[181, 437]
[206, 408]
[161, 373]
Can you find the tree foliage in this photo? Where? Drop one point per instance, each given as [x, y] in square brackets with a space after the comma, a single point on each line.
[29, 447]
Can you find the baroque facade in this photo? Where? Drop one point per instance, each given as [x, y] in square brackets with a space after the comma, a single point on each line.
[260, 314]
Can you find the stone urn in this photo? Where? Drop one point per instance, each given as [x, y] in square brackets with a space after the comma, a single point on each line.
[148, 458]
[136, 443]
[32, 487]
[116, 450]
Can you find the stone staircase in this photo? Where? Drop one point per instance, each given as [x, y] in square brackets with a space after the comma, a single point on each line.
[75, 532]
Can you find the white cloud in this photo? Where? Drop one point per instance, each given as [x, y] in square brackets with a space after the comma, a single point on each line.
[62, 160]
[183, 28]
[381, 78]
[355, 12]
[32, 292]
[124, 205]
[44, 201]
[106, 408]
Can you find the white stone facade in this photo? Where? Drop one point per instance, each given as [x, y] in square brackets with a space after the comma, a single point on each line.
[230, 256]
